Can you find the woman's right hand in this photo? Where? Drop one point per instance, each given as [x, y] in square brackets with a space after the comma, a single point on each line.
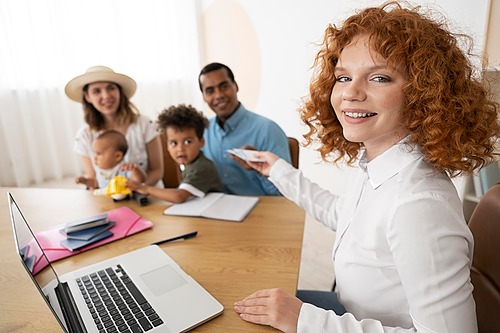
[268, 161]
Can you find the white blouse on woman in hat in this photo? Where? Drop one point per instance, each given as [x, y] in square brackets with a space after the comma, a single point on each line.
[139, 134]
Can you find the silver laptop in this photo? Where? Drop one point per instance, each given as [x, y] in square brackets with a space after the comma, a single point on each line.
[141, 291]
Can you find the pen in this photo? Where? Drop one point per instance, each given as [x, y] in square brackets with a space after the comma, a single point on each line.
[185, 236]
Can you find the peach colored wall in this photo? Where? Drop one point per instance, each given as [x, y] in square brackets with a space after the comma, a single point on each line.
[492, 47]
[226, 24]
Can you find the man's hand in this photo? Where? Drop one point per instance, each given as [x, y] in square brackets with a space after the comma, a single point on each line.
[242, 162]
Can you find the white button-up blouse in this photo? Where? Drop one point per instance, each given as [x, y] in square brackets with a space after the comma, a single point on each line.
[402, 252]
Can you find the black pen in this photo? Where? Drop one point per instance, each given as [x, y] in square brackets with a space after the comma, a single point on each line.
[185, 236]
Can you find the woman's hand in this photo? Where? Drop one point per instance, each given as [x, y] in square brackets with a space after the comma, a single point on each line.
[136, 173]
[273, 307]
[137, 186]
[268, 160]
[129, 167]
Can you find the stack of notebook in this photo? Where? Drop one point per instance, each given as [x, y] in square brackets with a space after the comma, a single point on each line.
[126, 222]
[81, 233]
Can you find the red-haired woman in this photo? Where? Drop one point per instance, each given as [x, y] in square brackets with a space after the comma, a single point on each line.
[394, 93]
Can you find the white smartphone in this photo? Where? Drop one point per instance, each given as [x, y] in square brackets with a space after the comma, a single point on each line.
[245, 154]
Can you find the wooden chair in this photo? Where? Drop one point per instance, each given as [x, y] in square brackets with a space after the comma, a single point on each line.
[171, 171]
[294, 151]
[485, 273]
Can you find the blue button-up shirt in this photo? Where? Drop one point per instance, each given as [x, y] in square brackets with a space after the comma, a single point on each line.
[241, 129]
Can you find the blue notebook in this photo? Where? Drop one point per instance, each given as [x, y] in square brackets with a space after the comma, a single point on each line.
[75, 244]
[86, 223]
[89, 233]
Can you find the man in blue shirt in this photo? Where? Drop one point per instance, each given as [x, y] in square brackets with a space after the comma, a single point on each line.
[236, 127]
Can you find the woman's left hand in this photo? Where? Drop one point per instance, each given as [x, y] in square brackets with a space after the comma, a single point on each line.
[129, 167]
[273, 307]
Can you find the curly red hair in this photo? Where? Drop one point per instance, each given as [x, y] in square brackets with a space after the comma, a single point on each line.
[448, 112]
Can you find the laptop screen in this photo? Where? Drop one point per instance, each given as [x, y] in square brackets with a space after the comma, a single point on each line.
[31, 254]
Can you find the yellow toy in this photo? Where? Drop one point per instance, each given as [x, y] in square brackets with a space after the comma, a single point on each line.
[117, 189]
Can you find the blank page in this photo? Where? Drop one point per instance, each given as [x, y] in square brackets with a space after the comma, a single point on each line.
[231, 208]
[193, 207]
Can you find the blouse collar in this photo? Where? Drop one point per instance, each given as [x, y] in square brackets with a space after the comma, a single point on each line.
[390, 162]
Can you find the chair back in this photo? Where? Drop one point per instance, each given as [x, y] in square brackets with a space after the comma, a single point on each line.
[171, 171]
[485, 273]
[294, 151]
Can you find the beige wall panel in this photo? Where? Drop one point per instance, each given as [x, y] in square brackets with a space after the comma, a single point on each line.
[230, 38]
[493, 34]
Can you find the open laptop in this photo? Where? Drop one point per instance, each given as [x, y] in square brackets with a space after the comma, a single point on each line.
[140, 291]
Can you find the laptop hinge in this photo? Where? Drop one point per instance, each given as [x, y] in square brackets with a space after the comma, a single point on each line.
[68, 307]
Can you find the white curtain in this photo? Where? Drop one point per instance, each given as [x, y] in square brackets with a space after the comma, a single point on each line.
[45, 43]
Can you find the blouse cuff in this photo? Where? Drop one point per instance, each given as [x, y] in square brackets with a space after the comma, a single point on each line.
[279, 168]
[311, 319]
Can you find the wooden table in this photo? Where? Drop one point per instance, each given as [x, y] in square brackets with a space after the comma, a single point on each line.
[229, 259]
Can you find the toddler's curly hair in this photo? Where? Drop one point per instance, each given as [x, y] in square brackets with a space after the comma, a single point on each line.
[183, 117]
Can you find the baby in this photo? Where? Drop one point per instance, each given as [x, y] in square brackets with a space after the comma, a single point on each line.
[109, 150]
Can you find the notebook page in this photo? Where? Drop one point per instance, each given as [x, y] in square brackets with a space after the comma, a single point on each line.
[194, 206]
[231, 208]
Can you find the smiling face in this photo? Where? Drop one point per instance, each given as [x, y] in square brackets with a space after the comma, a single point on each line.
[219, 92]
[368, 98]
[104, 96]
[183, 144]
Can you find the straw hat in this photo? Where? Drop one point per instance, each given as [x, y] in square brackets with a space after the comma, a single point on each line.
[74, 88]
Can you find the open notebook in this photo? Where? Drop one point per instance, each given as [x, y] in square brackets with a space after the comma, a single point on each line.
[218, 206]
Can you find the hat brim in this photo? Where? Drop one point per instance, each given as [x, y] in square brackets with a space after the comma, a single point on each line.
[74, 88]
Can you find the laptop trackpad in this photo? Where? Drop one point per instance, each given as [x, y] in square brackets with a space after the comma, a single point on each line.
[162, 280]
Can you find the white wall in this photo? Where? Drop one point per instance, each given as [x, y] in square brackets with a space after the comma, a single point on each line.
[270, 45]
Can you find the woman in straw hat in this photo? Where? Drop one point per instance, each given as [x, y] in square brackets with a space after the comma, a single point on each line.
[105, 96]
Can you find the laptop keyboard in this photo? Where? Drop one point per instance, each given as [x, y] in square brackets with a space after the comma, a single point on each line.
[115, 303]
